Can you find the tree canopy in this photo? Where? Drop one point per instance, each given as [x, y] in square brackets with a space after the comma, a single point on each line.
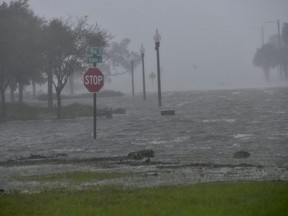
[19, 46]
[65, 50]
[33, 49]
[271, 55]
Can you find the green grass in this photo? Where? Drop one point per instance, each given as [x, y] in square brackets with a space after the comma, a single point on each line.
[253, 199]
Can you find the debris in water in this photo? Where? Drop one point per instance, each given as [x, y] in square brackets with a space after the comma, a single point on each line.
[241, 154]
[167, 112]
[139, 155]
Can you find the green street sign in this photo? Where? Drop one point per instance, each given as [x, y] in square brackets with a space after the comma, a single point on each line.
[94, 51]
[94, 59]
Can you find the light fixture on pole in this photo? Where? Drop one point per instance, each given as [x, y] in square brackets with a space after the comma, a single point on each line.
[157, 38]
[142, 51]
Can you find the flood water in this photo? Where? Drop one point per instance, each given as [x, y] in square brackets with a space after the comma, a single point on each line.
[196, 144]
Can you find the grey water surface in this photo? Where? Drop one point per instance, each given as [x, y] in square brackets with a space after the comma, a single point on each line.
[195, 145]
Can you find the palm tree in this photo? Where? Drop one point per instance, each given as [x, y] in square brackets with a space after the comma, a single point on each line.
[284, 50]
[266, 58]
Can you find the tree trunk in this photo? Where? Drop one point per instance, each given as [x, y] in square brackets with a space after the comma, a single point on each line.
[285, 69]
[3, 105]
[12, 96]
[71, 84]
[266, 73]
[21, 89]
[58, 92]
[50, 90]
[34, 88]
[12, 86]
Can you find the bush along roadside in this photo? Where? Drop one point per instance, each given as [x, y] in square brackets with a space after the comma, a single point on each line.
[105, 93]
[28, 112]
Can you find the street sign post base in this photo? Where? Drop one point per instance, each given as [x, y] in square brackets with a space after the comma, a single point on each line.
[95, 115]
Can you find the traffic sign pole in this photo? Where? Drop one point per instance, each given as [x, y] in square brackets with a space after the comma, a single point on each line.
[95, 112]
[95, 116]
[94, 79]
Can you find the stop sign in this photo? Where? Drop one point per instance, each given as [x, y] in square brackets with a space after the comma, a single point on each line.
[93, 80]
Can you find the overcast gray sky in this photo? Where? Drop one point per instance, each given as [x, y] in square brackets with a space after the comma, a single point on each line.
[219, 36]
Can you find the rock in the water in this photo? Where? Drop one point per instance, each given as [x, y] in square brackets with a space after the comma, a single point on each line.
[241, 154]
[139, 155]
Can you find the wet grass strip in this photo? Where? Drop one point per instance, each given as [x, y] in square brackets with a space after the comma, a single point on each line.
[71, 177]
[267, 198]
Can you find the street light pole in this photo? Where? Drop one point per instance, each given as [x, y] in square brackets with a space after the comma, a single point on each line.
[279, 34]
[157, 39]
[279, 41]
[132, 76]
[262, 35]
[278, 31]
[142, 51]
[279, 46]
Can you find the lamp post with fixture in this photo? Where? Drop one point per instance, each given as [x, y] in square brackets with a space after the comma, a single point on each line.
[157, 38]
[132, 76]
[142, 51]
[279, 41]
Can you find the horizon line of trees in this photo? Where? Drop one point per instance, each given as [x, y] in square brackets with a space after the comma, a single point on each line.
[35, 50]
[273, 54]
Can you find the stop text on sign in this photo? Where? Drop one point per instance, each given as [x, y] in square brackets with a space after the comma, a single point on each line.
[93, 80]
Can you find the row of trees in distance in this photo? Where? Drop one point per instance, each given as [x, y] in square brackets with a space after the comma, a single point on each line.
[36, 50]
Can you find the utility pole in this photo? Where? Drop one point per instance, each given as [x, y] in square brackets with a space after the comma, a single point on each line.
[132, 77]
[142, 51]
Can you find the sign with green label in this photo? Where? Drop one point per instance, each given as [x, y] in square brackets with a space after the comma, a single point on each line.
[94, 54]
[96, 59]
[94, 51]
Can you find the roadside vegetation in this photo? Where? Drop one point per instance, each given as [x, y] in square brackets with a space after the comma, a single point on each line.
[266, 198]
[53, 52]
[76, 110]
[29, 112]
[25, 111]
[105, 93]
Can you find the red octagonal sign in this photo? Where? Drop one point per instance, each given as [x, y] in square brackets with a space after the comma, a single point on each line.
[93, 80]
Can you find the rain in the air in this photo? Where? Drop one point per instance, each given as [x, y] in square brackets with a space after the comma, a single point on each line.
[162, 92]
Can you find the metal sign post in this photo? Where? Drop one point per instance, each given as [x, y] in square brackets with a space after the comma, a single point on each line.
[95, 111]
[94, 80]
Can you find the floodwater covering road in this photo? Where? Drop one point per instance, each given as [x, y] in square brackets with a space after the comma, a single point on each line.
[197, 144]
